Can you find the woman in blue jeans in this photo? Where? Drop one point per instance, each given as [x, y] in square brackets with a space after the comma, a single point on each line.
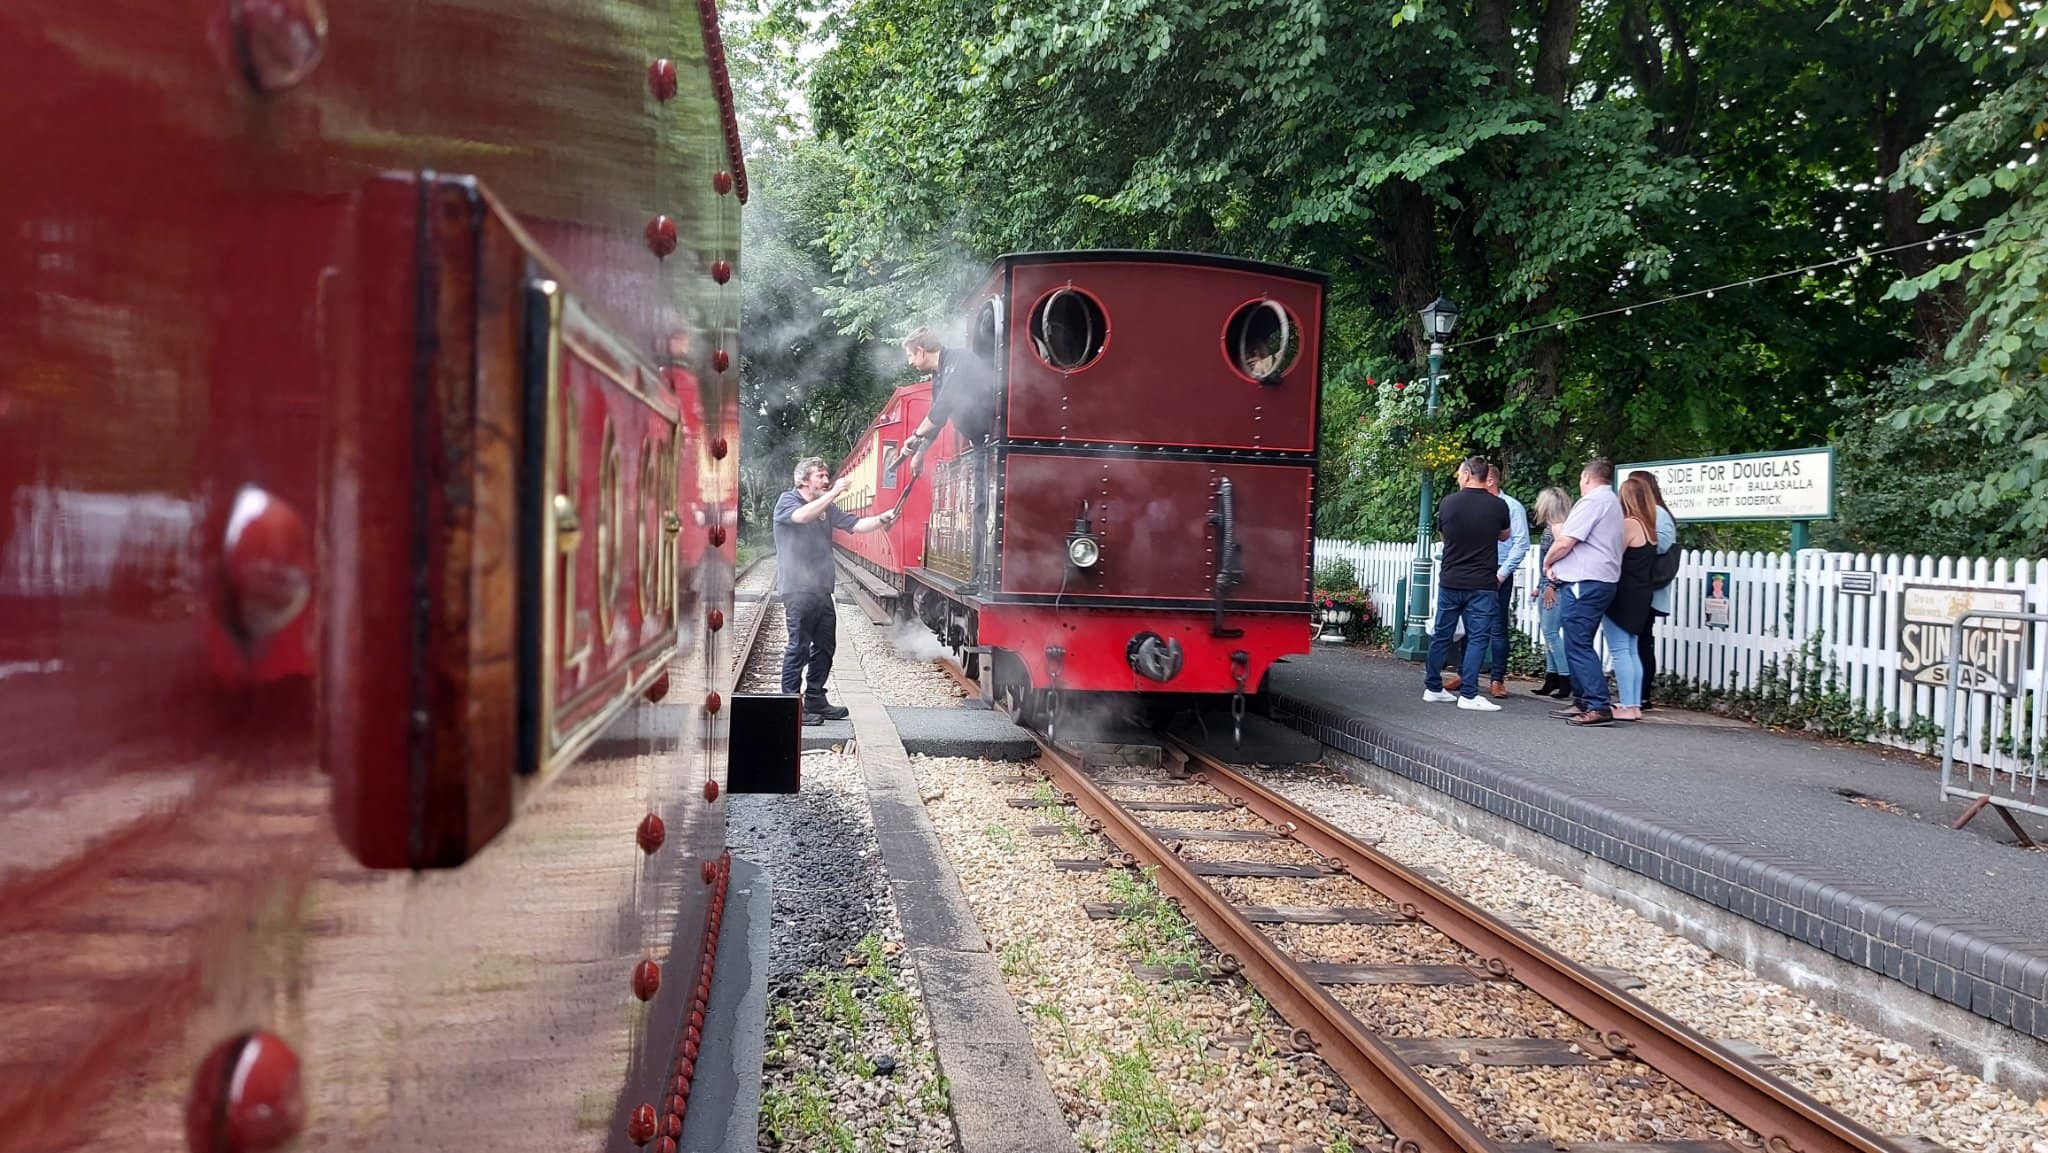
[1553, 505]
[1628, 614]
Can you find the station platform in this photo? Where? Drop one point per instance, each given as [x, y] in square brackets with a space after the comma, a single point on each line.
[1845, 848]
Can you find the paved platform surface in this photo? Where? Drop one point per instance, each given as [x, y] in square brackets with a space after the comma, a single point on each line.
[1753, 822]
[1002, 1101]
[958, 732]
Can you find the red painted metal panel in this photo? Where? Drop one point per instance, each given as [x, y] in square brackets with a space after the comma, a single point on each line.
[208, 369]
[1151, 515]
[1164, 376]
[1095, 641]
[902, 545]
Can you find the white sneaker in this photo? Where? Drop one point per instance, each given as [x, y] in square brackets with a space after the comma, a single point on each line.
[1438, 696]
[1478, 704]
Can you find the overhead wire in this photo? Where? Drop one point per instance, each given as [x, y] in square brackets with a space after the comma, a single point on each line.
[1861, 255]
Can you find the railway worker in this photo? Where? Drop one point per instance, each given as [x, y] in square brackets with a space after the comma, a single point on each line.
[1472, 522]
[804, 520]
[1585, 564]
[1510, 553]
[964, 393]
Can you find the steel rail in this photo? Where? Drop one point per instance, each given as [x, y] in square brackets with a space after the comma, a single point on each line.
[1785, 1118]
[750, 635]
[1419, 1117]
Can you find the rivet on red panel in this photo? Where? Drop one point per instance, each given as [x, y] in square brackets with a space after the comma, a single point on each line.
[717, 535]
[690, 1065]
[718, 448]
[280, 41]
[681, 1084]
[640, 1130]
[652, 833]
[720, 360]
[646, 980]
[708, 871]
[712, 703]
[661, 80]
[721, 181]
[714, 620]
[674, 1126]
[658, 688]
[661, 236]
[665, 1145]
[267, 561]
[710, 791]
[721, 270]
[246, 1097]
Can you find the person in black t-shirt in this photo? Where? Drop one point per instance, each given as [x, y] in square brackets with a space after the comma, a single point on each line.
[1471, 522]
[964, 394]
[804, 520]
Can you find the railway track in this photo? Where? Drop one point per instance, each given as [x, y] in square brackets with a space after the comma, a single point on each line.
[756, 580]
[1277, 891]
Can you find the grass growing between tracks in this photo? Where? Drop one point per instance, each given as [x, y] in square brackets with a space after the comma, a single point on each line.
[1173, 1066]
[835, 1080]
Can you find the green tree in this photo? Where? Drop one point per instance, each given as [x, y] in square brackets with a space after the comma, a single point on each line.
[1984, 164]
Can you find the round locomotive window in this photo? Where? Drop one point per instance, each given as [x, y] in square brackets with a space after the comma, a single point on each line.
[1068, 329]
[1262, 341]
[987, 325]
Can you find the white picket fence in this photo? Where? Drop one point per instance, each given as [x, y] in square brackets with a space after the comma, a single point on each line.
[1779, 604]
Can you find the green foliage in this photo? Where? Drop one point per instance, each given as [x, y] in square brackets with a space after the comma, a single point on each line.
[1537, 163]
[1984, 165]
[1888, 474]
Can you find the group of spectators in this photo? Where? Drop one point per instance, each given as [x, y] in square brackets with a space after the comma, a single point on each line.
[1605, 566]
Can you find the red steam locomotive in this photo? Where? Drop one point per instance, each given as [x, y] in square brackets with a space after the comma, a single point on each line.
[367, 407]
[1147, 524]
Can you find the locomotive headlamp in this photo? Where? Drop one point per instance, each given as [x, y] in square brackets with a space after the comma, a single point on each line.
[1083, 550]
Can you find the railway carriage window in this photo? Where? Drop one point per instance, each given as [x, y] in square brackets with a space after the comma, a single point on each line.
[988, 324]
[1262, 341]
[888, 453]
[1068, 329]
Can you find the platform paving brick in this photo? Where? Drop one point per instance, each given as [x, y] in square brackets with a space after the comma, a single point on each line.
[958, 732]
[1751, 821]
[1002, 1101]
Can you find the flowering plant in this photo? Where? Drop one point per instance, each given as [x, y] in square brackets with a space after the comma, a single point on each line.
[1357, 601]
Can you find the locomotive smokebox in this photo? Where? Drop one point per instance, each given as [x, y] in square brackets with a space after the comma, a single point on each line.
[1153, 657]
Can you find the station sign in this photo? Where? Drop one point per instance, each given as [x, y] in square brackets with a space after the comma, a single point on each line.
[1994, 652]
[1798, 484]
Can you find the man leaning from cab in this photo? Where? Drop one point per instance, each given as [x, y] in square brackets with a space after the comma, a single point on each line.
[804, 520]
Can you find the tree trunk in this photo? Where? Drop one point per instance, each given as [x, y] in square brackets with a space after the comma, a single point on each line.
[1934, 313]
[1554, 39]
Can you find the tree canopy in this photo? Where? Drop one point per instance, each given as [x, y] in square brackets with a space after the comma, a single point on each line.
[1558, 167]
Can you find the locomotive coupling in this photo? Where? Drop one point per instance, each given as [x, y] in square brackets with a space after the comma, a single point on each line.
[1154, 658]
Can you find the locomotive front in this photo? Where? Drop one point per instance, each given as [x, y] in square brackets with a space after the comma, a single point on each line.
[1148, 524]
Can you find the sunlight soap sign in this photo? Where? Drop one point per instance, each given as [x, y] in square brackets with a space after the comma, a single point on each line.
[1798, 484]
[1994, 652]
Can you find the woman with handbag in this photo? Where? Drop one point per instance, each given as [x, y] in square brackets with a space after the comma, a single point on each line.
[1628, 614]
[1553, 505]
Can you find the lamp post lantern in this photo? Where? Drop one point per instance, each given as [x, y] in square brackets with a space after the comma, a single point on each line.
[1439, 319]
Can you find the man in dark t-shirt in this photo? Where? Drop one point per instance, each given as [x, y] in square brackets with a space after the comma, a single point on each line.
[1471, 522]
[804, 520]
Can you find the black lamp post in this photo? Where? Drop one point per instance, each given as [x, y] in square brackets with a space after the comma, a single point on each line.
[1438, 321]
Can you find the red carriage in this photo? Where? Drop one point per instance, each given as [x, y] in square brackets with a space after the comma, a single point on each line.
[1149, 520]
[367, 406]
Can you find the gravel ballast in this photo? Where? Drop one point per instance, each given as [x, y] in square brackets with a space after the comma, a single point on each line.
[1136, 1065]
[1882, 1083]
